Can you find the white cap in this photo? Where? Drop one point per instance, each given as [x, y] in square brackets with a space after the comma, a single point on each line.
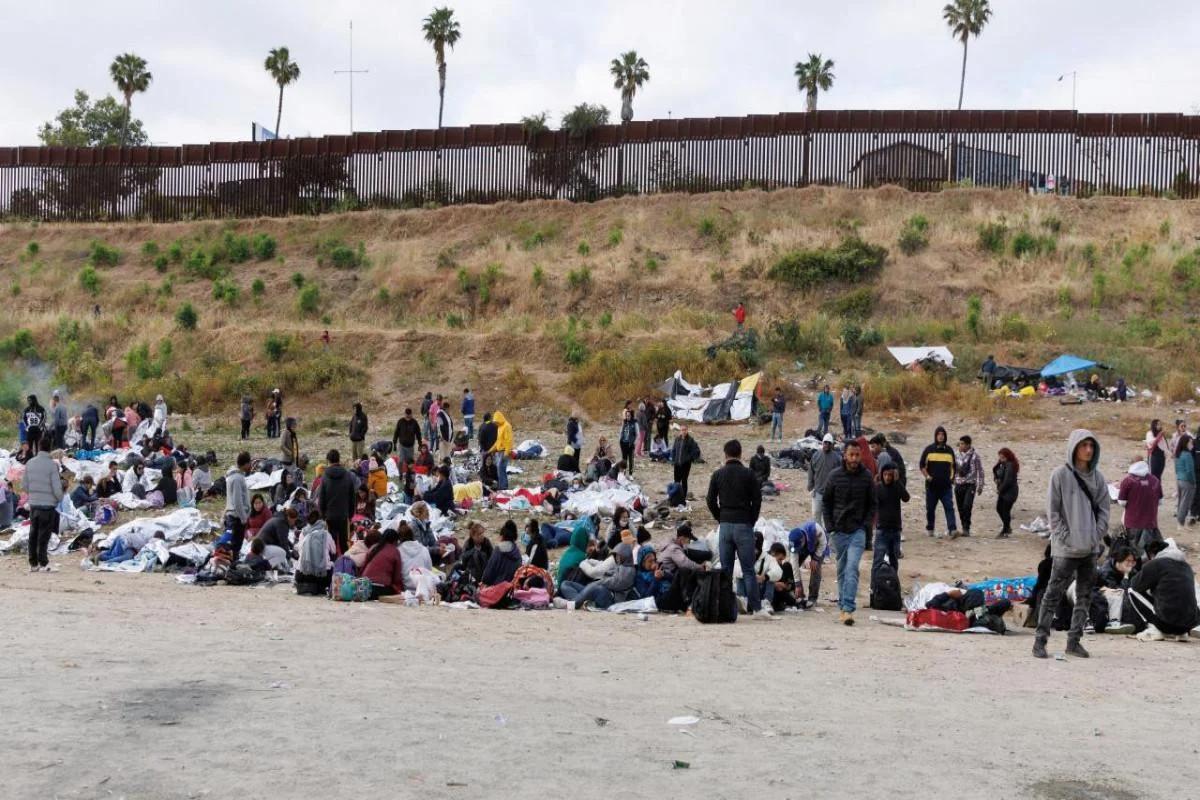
[828, 438]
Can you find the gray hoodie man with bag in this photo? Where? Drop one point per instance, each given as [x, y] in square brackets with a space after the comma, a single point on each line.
[1078, 512]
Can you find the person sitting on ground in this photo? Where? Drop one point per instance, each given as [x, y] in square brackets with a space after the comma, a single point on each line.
[535, 546]
[110, 484]
[576, 552]
[424, 460]
[601, 462]
[680, 570]
[660, 451]
[132, 482]
[620, 522]
[760, 465]
[1113, 581]
[651, 581]
[810, 543]
[83, 497]
[202, 481]
[361, 547]
[614, 587]
[441, 495]
[284, 489]
[314, 568]
[506, 557]
[423, 531]
[1163, 595]
[776, 580]
[384, 566]
[260, 514]
[364, 503]
[24, 452]
[377, 480]
[619, 472]
[258, 560]
[414, 555]
[275, 534]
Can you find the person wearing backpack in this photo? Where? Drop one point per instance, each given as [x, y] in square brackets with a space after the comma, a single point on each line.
[1078, 513]
[849, 506]
[889, 493]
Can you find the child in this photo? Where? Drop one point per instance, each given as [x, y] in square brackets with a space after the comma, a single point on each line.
[659, 451]
[651, 581]
[776, 580]
[889, 494]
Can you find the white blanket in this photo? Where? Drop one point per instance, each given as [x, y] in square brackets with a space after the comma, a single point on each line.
[602, 500]
[260, 480]
[178, 526]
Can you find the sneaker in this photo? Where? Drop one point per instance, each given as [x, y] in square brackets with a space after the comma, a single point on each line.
[1183, 637]
[50, 568]
[767, 611]
[929, 531]
[1076, 649]
[34, 569]
[953, 534]
[804, 604]
[1039, 650]
[743, 606]
[1151, 634]
[1120, 630]
[1089, 628]
[559, 603]
[966, 532]
[846, 618]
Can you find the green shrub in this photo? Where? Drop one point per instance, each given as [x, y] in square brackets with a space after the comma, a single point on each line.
[160, 263]
[575, 352]
[264, 246]
[653, 262]
[580, 278]
[615, 237]
[538, 237]
[1014, 328]
[227, 292]
[383, 295]
[1025, 244]
[993, 237]
[583, 249]
[168, 286]
[852, 261]
[175, 252]
[186, 317]
[855, 304]
[455, 321]
[606, 319]
[149, 250]
[276, 346]
[914, 235]
[707, 227]
[716, 275]
[1099, 284]
[101, 255]
[19, 345]
[297, 280]
[1091, 255]
[89, 279]
[427, 360]
[807, 341]
[32, 249]
[1053, 224]
[326, 318]
[14, 288]
[258, 288]
[340, 255]
[235, 248]
[974, 316]
[1143, 328]
[538, 277]
[1164, 230]
[310, 299]
[1066, 301]
[857, 341]
[202, 264]
[141, 363]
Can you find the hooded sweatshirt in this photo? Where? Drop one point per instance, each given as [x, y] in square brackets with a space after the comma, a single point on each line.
[336, 497]
[504, 434]
[576, 552]
[938, 462]
[237, 496]
[820, 467]
[1078, 515]
[1140, 493]
[1168, 580]
[503, 565]
[621, 579]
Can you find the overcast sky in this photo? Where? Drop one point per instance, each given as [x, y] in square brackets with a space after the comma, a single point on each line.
[516, 57]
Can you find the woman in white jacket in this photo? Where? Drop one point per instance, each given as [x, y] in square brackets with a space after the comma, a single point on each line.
[160, 416]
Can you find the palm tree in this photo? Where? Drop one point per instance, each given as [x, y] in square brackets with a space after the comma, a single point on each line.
[631, 73]
[284, 71]
[129, 73]
[966, 18]
[814, 76]
[441, 30]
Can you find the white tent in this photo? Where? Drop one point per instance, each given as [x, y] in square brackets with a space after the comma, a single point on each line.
[733, 401]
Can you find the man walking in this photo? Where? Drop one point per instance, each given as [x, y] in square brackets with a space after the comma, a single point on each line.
[684, 453]
[43, 482]
[407, 437]
[824, 410]
[937, 466]
[968, 481]
[1078, 511]
[237, 504]
[336, 499]
[778, 406]
[849, 508]
[734, 499]
[468, 414]
[820, 467]
[886, 454]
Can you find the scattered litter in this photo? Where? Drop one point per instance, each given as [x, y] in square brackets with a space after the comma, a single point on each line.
[279, 685]
[601, 721]
[455, 783]
[683, 721]
[686, 732]
[501, 720]
[1095, 731]
[1059, 657]
[680, 765]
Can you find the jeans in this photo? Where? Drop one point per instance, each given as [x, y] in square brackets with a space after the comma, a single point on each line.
[964, 496]
[776, 424]
[627, 457]
[766, 590]
[822, 423]
[469, 422]
[818, 508]
[848, 425]
[946, 498]
[598, 595]
[682, 471]
[849, 548]
[41, 527]
[1062, 572]
[1187, 494]
[736, 539]
[502, 470]
[237, 529]
[887, 545]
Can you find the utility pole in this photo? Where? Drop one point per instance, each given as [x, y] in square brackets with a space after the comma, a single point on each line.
[1074, 76]
[351, 71]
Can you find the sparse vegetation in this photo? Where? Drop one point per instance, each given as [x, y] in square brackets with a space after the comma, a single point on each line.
[149, 250]
[455, 322]
[227, 292]
[264, 246]
[852, 261]
[583, 249]
[186, 317]
[580, 278]
[309, 300]
[914, 235]
[1026, 244]
[276, 346]
[101, 255]
[974, 316]
[855, 304]
[89, 279]
[993, 238]
[340, 255]
[31, 250]
[297, 280]
[19, 345]
[616, 236]
[538, 277]
[258, 289]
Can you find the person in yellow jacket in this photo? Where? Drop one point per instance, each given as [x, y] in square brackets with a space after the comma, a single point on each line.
[377, 482]
[502, 447]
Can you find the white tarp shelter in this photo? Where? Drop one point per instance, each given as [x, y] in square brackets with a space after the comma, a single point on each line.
[907, 356]
[732, 401]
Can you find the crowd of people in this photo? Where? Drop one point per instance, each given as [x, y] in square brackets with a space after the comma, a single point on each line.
[331, 529]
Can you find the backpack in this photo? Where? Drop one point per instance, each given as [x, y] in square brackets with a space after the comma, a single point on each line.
[461, 586]
[473, 561]
[498, 595]
[350, 589]
[243, 575]
[345, 566]
[714, 601]
[675, 494]
[885, 589]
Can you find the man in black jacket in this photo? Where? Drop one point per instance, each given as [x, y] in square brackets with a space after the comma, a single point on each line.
[487, 435]
[937, 465]
[1164, 595]
[849, 507]
[683, 454]
[358, 431]
[734, 499]
[335, 499]
[407, 437]
[885, 453]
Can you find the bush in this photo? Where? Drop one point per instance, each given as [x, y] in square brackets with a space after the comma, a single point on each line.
[1099, 283]
[297, 280]
[974, 316]
[310, 299]
[1091, 255]
[258, 288]
[186, 317]
[993, 237]
[264, 246]
[809, 341]
[227, 292]
[201, 263]
[89, 279]
[141, 363]
[583, 249]
[914, 235]
[175, 252]
[707, 227]
[538, 277]
[235, 248]
[852, 261]
[615, 237]
[1053, 224]
[14, 288]
[276, 347]
[652, 263]
[32, 249]
[580, 278]
[160, 263]
[1014, 328]
[445, 260]
[19, 345]
[455, 321]
[855, 304]
[149, 250]
[857, 340]
[383, 295]
[575, 352]
[606, 319]
[340, 255]
[1025, 243]
[538, 237]
[101, 255]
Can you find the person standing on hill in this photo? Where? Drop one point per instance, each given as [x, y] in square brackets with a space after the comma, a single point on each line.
[858, 410]
[431, 417]
[468, 414]
[643, 424]
[735, 499]
[1078, 513]
[824, 410]
[778, 406]
[246, 415]
[662, 420]
[937, 465]
[58, 416]
[426, 402]
[628, 439]
[1185, 477]
[574, 434]
[846, 412]
[502, 447]
[684, 453]
[407, 437]
[848, 505]
[739, 315]
[358, 431]
[1156, 448]
[968, 481]
[274, 418]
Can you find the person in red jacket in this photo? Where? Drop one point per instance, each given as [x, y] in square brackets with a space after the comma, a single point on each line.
[739, 315]
[383, 566]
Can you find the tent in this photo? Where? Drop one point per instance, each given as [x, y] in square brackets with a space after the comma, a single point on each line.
[676, 385]
[1067, 363]
[733, 401]
[907, 356]
[1019, 376]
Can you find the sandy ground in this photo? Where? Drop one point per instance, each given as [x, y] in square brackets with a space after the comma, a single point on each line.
[133, 686]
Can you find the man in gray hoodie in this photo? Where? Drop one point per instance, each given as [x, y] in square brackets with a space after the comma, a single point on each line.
[43, 483]
[237, 503]
[1078, 510]
[820, 467]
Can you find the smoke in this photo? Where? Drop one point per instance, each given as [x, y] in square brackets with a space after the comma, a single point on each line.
[18, 383]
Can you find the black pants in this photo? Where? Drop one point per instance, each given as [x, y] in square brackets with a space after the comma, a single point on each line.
[627, 457]
[1143, 608]
[60, 436]
[34, 437]
[237, 530]
[89, 435]
[964, 498]
[679, 596]
[1004, 508]
[245, 429]
[339, 529]
[681, 476]
[41, 526]
[378, 591]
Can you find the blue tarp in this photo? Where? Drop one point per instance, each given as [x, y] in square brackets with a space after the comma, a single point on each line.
[1064, 364]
